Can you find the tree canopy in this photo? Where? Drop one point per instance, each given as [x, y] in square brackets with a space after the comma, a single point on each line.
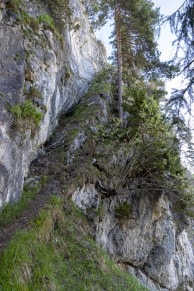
[135, 50]
[182, 25]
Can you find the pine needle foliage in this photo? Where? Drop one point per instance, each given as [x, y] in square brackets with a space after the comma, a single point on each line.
[151, 150]
[182, 25]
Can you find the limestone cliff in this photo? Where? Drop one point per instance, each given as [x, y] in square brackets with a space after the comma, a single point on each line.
[139, 228]
[48, 64]
[149, 240]
[148, 244]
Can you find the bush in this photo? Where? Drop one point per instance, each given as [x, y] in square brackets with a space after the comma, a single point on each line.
[151, 153]
[101, 84]
[27, 111]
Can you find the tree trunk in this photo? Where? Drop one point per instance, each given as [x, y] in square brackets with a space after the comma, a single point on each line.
[119, 60]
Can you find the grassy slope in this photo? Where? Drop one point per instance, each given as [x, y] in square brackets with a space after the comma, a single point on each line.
[57, 253]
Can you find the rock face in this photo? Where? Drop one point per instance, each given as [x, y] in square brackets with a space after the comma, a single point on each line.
[148, 242]
[44, 72]
[140, 229]
[37, 66]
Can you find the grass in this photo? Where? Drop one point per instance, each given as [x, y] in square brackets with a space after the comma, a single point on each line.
[48, 22]
[60, 11]
[58, 254]
[27, 111]
[33, 93]
[13, 210]
[15, 5]
[18, 7]
[123, 211]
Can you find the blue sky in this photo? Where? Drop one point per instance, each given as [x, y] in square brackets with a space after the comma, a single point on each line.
[166, 37]
[167, 7]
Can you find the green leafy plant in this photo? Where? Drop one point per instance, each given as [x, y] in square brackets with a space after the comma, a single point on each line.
[27, 21]
[102, 82]
[151, 152]
[15, 5]
[46, 19]
[26, 111]
[49, 23]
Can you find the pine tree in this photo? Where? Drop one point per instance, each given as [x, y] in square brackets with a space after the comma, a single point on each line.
[118, 26]
[180, 101]
[135, 48]
[182, 25]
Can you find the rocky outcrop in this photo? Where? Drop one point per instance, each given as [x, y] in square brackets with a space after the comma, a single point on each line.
[148, 242]
[136, 225]
[51, 70]
[140, 229]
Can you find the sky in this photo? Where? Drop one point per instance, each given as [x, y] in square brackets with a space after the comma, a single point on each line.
[167, 7]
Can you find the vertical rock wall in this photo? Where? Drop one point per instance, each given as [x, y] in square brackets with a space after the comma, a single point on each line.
[35, 65]
[149, 243]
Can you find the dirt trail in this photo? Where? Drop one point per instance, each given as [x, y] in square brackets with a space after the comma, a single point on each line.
[7, 232]
[50, 167]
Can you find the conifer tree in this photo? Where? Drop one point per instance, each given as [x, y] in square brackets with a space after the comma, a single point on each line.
[180, 101]
[117, 14]
[182, 25]
[135, 48]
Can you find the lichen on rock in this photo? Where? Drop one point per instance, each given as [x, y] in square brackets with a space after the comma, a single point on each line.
[32, 56]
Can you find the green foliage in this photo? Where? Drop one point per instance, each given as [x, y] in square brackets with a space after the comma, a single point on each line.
[123, 211]
[16, 110]
[100, 211]
[44, 180]
[26, 111]
[16, 5]
[56, 253]
[60, 11]
[33, 93]
[13, 210]
[80, 111]
[151, 149]
[182, 25]
[137, 22]
[29, 111]
[46, 19]
[102, 84]
[49, 23]
[155, 139]
[68, 73]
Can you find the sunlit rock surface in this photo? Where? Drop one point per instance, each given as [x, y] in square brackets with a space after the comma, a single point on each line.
[60, 73]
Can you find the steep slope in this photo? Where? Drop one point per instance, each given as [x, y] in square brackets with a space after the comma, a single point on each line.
[138, 227]
[48, 56]
[58, 253]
